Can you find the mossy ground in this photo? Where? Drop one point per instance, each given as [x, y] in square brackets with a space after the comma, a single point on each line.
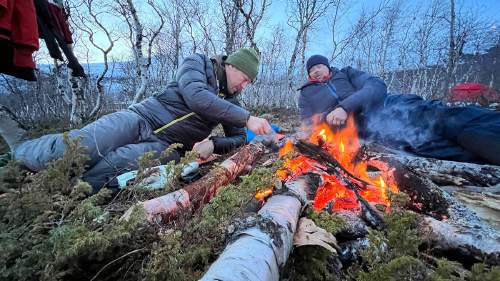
[53, 228]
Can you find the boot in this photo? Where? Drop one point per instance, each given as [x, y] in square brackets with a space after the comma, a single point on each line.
[10, 129]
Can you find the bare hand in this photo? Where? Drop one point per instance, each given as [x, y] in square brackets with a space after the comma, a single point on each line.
[337, 117]
[260, 126]
[204, 148]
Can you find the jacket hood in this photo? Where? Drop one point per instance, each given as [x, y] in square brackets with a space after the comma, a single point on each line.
[220, 74]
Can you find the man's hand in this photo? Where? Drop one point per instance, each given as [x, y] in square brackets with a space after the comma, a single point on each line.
[337, 117]
[259, 126]
[204, 148]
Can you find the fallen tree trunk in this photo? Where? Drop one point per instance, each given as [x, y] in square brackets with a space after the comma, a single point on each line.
[465, 243]
[261, 245]
[448, 172]
[450, 228]
[196, 194]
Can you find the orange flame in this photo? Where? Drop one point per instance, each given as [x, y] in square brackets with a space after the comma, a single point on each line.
[343, 145]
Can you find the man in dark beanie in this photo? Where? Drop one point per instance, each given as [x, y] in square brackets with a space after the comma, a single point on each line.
[336, 92]
[405, 122]
[315, 60]
[203, 95]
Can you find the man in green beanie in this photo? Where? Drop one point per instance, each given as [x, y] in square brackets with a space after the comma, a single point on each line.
[203, 95]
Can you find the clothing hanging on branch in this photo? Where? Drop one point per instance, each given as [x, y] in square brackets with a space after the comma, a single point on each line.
[22, 23]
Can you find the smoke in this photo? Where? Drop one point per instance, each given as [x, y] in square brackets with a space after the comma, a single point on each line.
[404, 122]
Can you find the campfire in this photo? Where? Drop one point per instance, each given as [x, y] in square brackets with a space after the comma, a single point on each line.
[335, 193]
[355, 182]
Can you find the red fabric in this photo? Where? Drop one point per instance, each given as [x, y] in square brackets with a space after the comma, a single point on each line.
[6, 19]
[19, 19]
[471, 92]
[59, 22]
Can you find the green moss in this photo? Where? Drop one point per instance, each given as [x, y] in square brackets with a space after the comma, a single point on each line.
[309, 263]
[480, 272]
[329, 222]
[398, 200]
[399, 269]
[446, 271]
[402, 235]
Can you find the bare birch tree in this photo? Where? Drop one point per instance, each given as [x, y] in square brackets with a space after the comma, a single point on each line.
[89, 18]
[138, 35]
[232, 23]
[303, 16]
[252, 11]
[201, 26]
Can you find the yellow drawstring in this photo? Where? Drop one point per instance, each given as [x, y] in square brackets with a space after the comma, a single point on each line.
[173, 122]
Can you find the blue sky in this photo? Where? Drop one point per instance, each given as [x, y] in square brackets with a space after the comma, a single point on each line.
[490, 9]
[320, 36]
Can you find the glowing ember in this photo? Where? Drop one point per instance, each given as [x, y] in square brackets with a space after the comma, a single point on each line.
[264, 194]
[343, 145]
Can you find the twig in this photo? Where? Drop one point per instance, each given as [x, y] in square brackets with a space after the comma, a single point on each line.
[318, 154]
[115, 260]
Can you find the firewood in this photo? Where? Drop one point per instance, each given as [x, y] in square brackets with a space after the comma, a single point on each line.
[333, 167]
[461, 241]
[260, 245]
[465, 173]
[198, 193]
[201, 191]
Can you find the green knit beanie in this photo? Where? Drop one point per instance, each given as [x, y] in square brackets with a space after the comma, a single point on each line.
[246, 60]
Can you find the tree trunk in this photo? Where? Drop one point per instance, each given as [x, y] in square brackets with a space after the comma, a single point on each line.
[198, 193]
[260, 246]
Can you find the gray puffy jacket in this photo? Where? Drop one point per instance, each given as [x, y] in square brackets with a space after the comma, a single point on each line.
[196, 89]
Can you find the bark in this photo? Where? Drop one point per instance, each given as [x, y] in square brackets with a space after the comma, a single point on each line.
[261, 245]
[468, 244]
[196, 194]
[464, 173]
[77, 101]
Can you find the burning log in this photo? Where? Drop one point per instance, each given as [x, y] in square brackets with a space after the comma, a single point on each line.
[355, 184]
[425, 196]
[261, 245]
[198, 193]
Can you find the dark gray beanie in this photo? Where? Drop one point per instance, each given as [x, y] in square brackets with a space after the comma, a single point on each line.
[316, 59]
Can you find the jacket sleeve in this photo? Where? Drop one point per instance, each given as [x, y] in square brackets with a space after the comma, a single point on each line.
[193, 85]
[370, 91]
[234, 137]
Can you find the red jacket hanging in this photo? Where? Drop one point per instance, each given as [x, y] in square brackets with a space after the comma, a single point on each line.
[18, 37]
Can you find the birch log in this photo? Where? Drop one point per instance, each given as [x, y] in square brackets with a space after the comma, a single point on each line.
[196, 194]
[260, 249]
